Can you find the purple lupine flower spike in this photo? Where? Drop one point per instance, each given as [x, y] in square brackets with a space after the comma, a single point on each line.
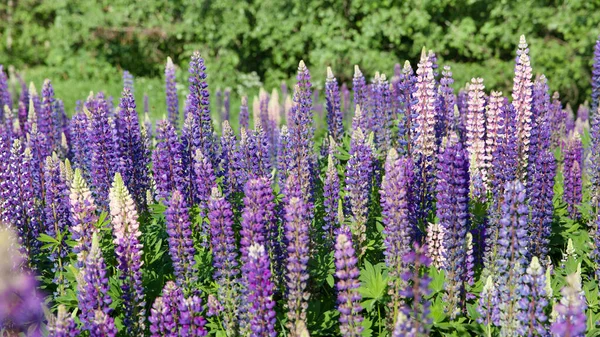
[167, 162]
[56, 210]
[425, 146]
[571, 320]
[348, 297]
[488, 305]
[512, 249]
[595, 236]
[205, 178]
[63, 324]
[257, 215]
[297, 227]
[224, 249]
[181, 244]
[80, 147]
[359, 89]
[522, 100]
[331, 197]
[128, 249]
[405, 90]
[132, 149]
[398, 217]
[92, 289]
[127, 80]
[335, 119]
[244, 116]
[452, 194]
[413, 320]
[5, 98]
[436, 250]
[447, 102]
[534, 301]
[226, 104]
[596, 78]
[359, 181]
[83, 216]
[164, 315]
[103, 147]
[259, 292]
[104, 325]
[45, 121]
[572, 164]
[228, 165]
[478, 168]
[171, 93]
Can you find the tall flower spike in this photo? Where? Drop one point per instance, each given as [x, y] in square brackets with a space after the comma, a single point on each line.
[359, 88]
[258, 214]
[244, 116]
[171, 92]
[5, 98]
[92, 288]
[335, 119]
[128, 249]
[63, 324]
[83, 216]
[425, 146]
[297, 228]
[595, 236]
[512, 251]
[478, 167]
[224, 250]
[413, 319]
[447, 102]
[174, 315]
[522, 100]
[331, 198]
[104, 151]
[493, 123]
[572, 164]
[348, 297]
[571, 320]
[132, 149]
[46, 115]
[596, 78]
[181, 244]
[398, 217]
[488, 305]
[259, 293]
[534, 301]
[80, 148]
[436, 250]
[167, 162]
[127, 80]
[205, 178]
[452, 194]
[359, 181]
[227, 165]
[405, 90]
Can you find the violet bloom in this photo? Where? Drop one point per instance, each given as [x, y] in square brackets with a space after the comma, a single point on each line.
[92, 288]
[398, 217]
[447, 101]
[522, 100]
[488, 305]
[572, 164]
[56, 211]
[534, 301]
[244, 116]
[167, 162]
[128, 249]
[452, 194]
[47, 115]
[512, 251]
[132, 149]
[347, 273]
[226, 104]
[258, 215]
[181, 244]
[5, 98]
[359, 181]
[478, 168]
[63, 324]
[127, 80]
[596, 78]
[205, 179]
[359, 89]
[413, 319]
[297, 231]
[104, 326]
[405, 90]
[20, 303]
[171, 93]
[540, 108]
[80, 148]
[331, 198]
[174, 315]
[335, 119]
[227, 165]
[224, 250]
[425, 147]
[284, 157]
[259, 292]
[105, 161]
[571, 320]
[436, 250]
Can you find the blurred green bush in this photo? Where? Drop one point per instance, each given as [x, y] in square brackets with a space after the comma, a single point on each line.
[89, 39]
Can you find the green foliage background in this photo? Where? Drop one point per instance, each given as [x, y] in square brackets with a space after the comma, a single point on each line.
[90, 41]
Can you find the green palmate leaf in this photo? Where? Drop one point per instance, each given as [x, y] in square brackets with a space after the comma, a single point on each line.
[438, 278]
[48, 239]
[373, 283]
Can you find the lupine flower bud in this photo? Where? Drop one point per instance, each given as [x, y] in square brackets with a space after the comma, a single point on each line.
[347, 273]
[571, 319]
[63, 325]
[259, 292]
[297, 227]
[522, 99]
[181, 244]
[335, 119]
[83, 216]
[359, 181]
[171, 92]
[128, 250]
[92, 288]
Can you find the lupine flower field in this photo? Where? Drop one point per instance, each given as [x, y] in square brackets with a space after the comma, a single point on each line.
[395, 206]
